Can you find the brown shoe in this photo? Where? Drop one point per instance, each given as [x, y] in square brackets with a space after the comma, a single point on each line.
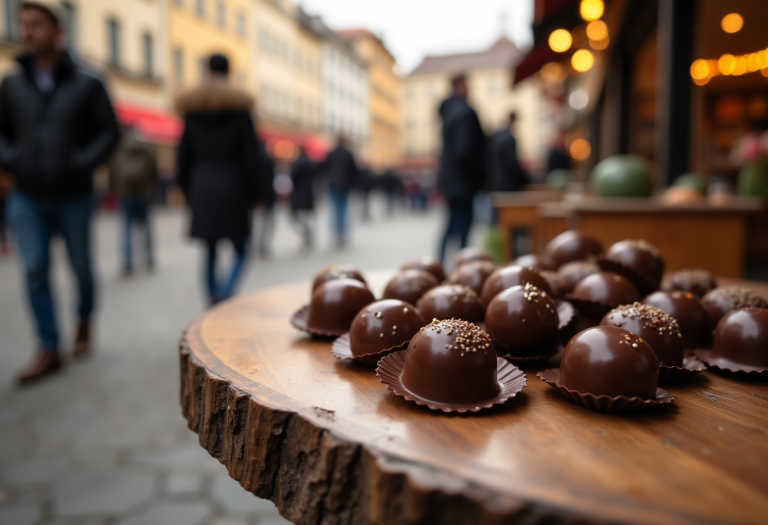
[45, 364]
[82, 346]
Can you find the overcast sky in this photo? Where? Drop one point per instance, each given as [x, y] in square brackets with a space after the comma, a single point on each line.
[415, 28]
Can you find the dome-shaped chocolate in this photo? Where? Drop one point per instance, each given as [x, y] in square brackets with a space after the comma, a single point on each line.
[579, 323]
[428, 264]
[383, 325]
[692, 318]
[473, 274]
[556, 282]
[639, 256]
[532, 261]
[570, 246]
[335, 304]
[656, 327]
[606, 288]
[575, 271]
[698, 282]
[410, 285]
[451, 301]
[741, 338]
[522, 321]
[337, 271]
[510, 276]
[470, 254]
[610, 361]
[451, 361]
[726, 299]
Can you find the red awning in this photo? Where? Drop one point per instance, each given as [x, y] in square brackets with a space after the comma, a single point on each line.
[534, 61]
[155, 125]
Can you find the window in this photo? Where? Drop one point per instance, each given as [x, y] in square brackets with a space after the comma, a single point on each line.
[200, 7]
[221, 14]
[178, 66]
[69, 19]
[11, 20]
[148, 52]
[240, 24]
[113, 42]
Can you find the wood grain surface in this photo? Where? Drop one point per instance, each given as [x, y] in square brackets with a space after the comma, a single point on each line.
[329, 444]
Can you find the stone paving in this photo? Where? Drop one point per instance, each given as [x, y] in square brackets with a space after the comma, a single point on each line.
[104, 442]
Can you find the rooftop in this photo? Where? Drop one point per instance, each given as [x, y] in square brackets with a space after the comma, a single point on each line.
[503, 53]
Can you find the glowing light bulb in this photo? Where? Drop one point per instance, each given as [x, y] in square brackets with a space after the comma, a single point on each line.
[726, 63]
[580, 149]
[700, 69]
[560, 40]
[597, 30]
[732, 23]
[582, 60]
[591, 9]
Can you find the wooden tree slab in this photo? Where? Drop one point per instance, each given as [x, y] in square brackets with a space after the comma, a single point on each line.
[329, 444]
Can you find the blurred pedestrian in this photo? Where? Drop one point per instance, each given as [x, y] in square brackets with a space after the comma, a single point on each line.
[342, 173]
[557, 156]
[56, 126]
[302, 200]
[462, 162]
[264, 215]
[390, 185]
[133, 177]
[218, 170]
[505, 172]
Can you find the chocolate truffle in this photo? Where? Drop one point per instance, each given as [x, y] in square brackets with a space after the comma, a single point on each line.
[428, 264]
[741, 339]
[532, 261]
[522, 321]
[691, 317]
[451, 361]
[610, 361]
[556, 282]
[410, 285]
[575, 271]
[726, 299]
[337, 271]
[383, 325]
[473, 274]
[450, 301]
[570, 246]
[697, 282]
[335, 304]
[641, 257]
[656, 327]
[510, 276]
[606, 288]
[470, 254]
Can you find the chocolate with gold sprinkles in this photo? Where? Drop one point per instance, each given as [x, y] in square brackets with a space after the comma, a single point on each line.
[726, 299]
[698, 282]
[656, 327]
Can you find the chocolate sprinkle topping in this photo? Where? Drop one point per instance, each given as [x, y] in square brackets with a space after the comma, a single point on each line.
[739, 297]
[469, 338]
[651, 316]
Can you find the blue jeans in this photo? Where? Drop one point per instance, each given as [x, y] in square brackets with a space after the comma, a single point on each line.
[459, 224]
[135, 211]
[218, 291]
[35, 220]
[339, 213]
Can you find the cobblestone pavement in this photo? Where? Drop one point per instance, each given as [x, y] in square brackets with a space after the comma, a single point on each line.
[104, 442]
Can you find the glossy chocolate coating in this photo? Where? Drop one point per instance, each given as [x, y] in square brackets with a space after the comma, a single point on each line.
[639, 255]
[610, 361]
[337, 271]
[726, 299]
[473, 274]
[742, 337]
[579, 323]
[383, 325]
[428, 264]
[451, 361]
[470, 254]
[556, 282]
[532, 261]
[522, 321]
[451, 301]
[510, 276]
[575, 271]
[697, 282]
[335, 304]
[571, 246]
[691, 317]
[656, 327]
[410, 285]
[606, 288]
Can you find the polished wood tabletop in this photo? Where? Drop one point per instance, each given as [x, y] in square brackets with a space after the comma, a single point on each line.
[329, 444]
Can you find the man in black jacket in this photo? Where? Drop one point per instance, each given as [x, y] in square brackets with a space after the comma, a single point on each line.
[505, 171]
[56, 126]
[462, 162]
[342, 172]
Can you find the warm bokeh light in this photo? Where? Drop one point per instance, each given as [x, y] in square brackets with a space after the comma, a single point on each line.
[764, 71]
[740, 66]
[582, 60]
[726, 64]
[597, 30]
[554, 72]
[578, 99]
[732, 23]
[580, 149]
[701, 81]
[560, 40]
[700, 69]
[591, 9]
[752, 62]
[599, 45]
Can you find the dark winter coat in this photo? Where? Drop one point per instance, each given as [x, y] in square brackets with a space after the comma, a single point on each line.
[340, 169]
[504, 170]
[51, 142]
[303, 174]
[218, 160]
[462, 171]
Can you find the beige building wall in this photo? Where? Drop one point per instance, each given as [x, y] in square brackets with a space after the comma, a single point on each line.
[309, 82]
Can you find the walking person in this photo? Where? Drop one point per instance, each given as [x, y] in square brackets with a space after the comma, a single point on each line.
[462, 162]
[342, 173]
[218, 170]
[135, 181]
[302, 199]
[56, 126]
[505, 172]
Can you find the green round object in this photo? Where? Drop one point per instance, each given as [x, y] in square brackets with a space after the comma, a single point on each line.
[558, 179]
[753, 179]
[691, 180]
[622, 176]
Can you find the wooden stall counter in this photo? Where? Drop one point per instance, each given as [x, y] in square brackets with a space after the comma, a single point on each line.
[518, 210]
